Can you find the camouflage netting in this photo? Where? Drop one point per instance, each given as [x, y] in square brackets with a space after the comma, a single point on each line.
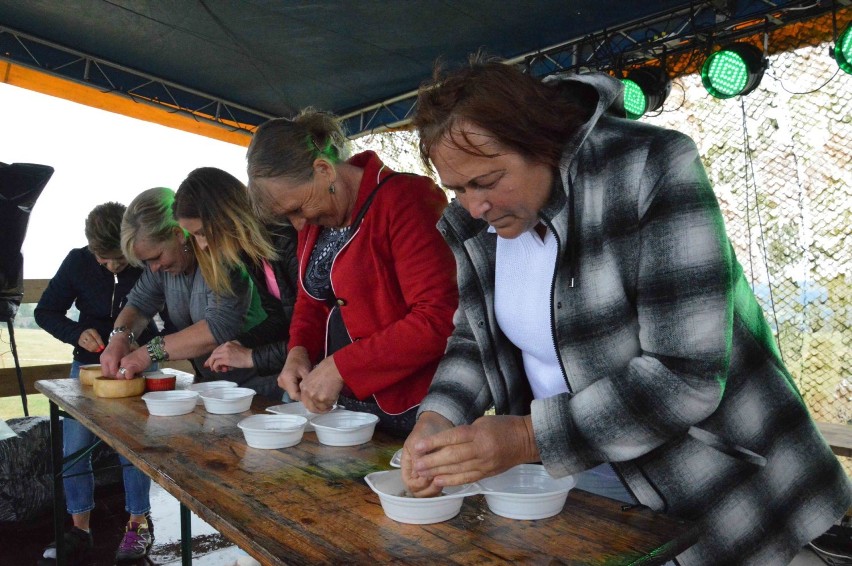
[780, 160]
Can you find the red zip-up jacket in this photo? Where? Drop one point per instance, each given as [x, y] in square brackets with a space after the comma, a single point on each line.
[396, 283]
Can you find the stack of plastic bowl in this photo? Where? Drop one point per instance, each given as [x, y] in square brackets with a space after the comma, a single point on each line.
[526, 492]
[227, 400]
[298, 408]
[208, 385]
[273, 431]
[170, 403]
[405, 508]
[344, 428]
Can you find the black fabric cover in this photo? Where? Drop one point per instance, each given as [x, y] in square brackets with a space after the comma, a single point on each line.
[26, 487]
[20, 186]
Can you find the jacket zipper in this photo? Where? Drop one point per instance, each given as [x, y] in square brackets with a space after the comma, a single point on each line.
[112, 300]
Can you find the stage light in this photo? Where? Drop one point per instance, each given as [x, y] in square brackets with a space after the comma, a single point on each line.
[645, 90]
[733, 71]
[843, 50]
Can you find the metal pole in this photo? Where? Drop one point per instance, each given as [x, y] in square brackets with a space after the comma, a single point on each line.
[58, 492]
[18, 367]
[185, 536]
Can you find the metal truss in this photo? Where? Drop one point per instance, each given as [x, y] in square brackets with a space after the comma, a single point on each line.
[691, 32]
[688, 34]
[56, 60]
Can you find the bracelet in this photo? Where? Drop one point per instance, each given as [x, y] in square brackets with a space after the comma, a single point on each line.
[120, 329]
[157, 349]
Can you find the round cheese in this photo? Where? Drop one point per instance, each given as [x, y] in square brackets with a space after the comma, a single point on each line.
[89, 373]
[116, 388]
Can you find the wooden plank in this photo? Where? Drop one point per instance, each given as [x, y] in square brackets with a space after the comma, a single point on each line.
[33, 288]
[839, 437]
[308, 504]
[9, 379]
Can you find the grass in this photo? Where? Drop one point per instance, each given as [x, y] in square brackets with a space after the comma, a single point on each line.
[35, 348]
[11, 408]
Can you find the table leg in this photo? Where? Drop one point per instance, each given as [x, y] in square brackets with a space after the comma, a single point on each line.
[58, 491]
[185, 536]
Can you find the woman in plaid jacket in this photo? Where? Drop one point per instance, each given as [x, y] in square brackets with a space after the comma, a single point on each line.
[604, 316]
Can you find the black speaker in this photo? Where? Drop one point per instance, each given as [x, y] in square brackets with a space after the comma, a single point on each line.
[20, 186]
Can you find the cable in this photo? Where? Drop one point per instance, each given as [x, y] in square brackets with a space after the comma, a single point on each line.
[750, 166]
[817, 89]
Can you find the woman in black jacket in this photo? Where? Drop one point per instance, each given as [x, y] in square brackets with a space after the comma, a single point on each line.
[95, 279]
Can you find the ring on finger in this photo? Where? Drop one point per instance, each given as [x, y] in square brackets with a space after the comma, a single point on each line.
[122, 371]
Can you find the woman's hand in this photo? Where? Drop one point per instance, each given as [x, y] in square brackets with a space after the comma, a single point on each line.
[296, 368]
[133, 364]
[468, 453]
[427, 425]
[229, 355]
[111, 357]
[91, 341]
[321, 388]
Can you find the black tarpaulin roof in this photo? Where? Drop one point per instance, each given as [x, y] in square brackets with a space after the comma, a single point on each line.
[243, 61]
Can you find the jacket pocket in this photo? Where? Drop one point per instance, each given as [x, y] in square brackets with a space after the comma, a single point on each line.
[696, 471]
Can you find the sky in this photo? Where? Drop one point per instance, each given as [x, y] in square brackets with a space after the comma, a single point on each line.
[98, 156]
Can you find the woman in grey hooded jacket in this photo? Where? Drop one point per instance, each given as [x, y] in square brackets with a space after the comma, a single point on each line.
[604, 317]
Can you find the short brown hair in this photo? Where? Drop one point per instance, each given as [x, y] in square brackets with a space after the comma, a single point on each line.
[103, 228]
[532, 118]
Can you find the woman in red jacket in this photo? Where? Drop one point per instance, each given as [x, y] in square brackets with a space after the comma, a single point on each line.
[377, 287]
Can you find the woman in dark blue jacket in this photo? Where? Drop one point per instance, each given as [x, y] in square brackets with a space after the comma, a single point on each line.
[96, 279]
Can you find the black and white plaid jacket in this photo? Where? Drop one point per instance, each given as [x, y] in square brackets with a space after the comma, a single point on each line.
[674, 373]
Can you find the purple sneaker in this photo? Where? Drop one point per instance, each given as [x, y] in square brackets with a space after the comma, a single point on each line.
[137, 541]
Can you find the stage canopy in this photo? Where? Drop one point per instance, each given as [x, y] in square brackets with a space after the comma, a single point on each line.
[228, 65]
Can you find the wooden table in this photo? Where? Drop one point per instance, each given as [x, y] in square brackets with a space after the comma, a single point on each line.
[838, 436]
[309, 504]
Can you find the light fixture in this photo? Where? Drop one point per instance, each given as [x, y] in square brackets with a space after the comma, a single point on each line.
[735, 70]
[843, 50]
[645, 90]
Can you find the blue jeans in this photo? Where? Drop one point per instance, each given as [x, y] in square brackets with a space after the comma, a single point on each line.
[80, 489]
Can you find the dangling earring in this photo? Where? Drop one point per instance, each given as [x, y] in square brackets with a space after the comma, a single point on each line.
[331, 188]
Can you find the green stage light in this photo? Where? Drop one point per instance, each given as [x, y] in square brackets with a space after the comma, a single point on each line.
[733, 71]
[843, 50]
[645, 90]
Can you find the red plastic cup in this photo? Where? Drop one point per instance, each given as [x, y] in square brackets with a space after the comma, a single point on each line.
[159, 382]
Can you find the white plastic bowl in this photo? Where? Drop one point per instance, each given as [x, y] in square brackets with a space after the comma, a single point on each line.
[416, 510]
[210, 385]
[344, 428]
[273, 431]
[170, 403]
[526, 492]
[298, 408]
[227, 400]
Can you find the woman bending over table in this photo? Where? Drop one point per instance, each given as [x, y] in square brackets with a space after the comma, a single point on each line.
[96, 279]
[213, 206]
[151, 237]
[377, 285]
[604, 316]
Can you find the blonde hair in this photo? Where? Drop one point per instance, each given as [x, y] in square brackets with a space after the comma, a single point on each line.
[220, 201]
[148, 217]
[284, 147]
[103, 228]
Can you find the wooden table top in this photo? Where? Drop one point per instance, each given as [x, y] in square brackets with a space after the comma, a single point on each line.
[309, 504]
